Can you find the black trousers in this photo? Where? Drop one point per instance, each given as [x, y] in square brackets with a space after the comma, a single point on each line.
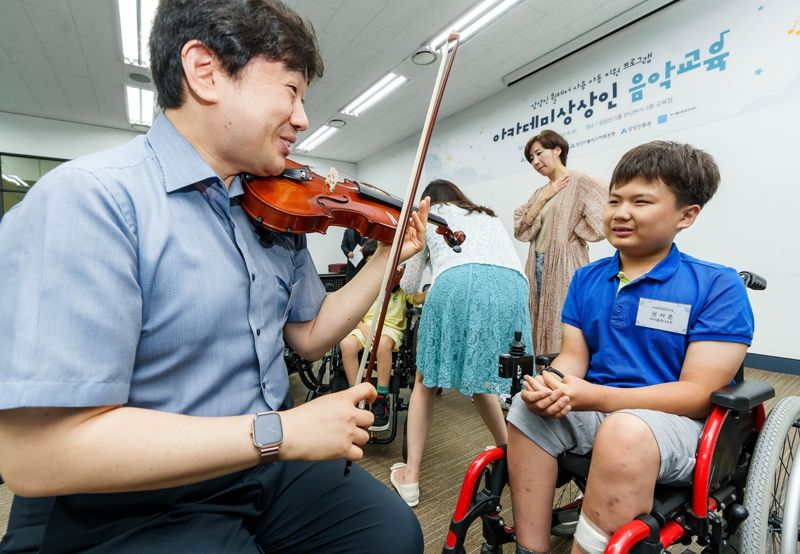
[284, 507]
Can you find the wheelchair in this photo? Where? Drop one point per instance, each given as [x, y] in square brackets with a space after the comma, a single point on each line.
[327, 375]
[744, 497]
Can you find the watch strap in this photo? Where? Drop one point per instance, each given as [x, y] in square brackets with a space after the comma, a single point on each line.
[267, 454]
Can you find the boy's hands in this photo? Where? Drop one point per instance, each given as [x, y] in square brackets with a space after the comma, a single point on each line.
[544, 400]
[548, 395]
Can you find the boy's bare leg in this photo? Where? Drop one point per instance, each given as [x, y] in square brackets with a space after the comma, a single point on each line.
[384, 361]
[532, 475]
[350, 348]
[622, 477]
[489, 409]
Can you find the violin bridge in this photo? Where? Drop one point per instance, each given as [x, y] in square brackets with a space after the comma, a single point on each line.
[332, 179]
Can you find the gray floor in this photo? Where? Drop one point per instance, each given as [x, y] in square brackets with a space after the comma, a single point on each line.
[456, 437]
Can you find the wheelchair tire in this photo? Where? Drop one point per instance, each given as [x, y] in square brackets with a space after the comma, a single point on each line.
[314, 376]
[767, 478]
[566, 509]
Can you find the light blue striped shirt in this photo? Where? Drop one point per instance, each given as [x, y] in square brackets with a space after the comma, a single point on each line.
[131, 277]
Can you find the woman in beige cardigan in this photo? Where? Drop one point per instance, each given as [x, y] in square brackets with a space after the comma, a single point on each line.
[558, 220]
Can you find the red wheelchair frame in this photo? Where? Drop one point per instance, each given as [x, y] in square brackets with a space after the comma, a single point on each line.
[711, 511]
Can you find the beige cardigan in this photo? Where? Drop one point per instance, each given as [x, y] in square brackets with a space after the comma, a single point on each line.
[578, 207]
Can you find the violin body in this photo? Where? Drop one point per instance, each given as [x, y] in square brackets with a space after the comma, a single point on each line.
[301, 201]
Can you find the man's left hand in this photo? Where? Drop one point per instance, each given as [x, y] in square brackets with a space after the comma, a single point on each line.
[414, 240]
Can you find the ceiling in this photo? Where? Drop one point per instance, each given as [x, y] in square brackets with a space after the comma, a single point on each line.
[62, 59]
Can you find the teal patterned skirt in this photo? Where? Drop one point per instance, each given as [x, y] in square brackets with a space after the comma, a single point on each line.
[468, 320]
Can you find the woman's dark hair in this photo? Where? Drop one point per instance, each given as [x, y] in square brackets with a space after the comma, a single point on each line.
[548, 139]
[236, 31]
[691, 174]
[442, 191]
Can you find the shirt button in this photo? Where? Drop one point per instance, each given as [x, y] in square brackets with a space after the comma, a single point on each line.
[253, 276]
[618, 309]
[264, 386]
[258, 332]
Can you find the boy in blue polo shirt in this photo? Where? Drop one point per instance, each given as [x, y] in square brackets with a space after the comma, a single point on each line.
[649, 334]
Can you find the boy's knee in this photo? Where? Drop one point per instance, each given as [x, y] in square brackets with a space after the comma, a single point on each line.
[386, 345]
[625, 439]
[349, 345]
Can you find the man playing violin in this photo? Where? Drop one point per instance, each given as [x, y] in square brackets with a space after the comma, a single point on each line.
[143, 325]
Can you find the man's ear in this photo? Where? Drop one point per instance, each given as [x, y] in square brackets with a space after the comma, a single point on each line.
[688, 216]
[199, 68]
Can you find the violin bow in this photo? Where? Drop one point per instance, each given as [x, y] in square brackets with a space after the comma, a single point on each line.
[365, 369]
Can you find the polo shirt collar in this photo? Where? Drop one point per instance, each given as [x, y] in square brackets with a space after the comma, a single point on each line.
[665, 269]
[181, 163]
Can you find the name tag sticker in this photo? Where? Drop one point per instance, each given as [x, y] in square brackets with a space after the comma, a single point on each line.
[666, 316]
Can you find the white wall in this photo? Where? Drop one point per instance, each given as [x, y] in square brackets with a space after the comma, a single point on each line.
[746, 116]
[36, 136]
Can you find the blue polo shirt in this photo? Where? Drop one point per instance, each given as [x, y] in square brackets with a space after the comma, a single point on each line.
[638, 336]
[133, 277]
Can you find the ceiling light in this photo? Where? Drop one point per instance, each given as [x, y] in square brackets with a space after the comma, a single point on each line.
[423, 57]
[338, 123]
[16, 180]
[374, 93]
[474, 20]
[141, 103]
[317, 137]
[135, 21]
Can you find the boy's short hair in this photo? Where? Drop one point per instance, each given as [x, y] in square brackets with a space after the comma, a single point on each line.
[689, 172]
[369, 247]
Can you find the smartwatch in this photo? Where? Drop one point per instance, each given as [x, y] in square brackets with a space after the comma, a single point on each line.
[267, 435]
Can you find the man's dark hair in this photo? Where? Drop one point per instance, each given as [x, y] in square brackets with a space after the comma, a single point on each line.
[689, 172]
[442, 191]
[236, 31]
[548, 139]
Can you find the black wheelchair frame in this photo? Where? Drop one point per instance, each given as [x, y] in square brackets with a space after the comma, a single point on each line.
[734, 505]
[327, 375]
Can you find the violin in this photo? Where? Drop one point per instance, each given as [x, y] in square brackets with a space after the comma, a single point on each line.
[301, 201]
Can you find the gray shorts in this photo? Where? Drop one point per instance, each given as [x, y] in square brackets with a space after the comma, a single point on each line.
[676, 436]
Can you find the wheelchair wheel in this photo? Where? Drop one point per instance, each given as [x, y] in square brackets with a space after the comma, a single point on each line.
[315, 376]
[566, 509]
[765, 491]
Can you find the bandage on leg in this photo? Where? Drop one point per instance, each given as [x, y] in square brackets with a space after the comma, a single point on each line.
[589, 537]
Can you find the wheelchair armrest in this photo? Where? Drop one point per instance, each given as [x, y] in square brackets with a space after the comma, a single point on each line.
[743, 396]
[545, 359]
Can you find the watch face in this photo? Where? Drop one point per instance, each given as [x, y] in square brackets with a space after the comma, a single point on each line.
[267, 429]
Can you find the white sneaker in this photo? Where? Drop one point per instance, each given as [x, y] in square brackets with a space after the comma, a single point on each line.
[407, 491]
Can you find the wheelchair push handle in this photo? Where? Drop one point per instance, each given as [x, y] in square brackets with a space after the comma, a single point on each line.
[752, 280]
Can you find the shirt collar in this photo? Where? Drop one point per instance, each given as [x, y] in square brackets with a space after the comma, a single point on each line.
[181, 163]
[661, 272]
